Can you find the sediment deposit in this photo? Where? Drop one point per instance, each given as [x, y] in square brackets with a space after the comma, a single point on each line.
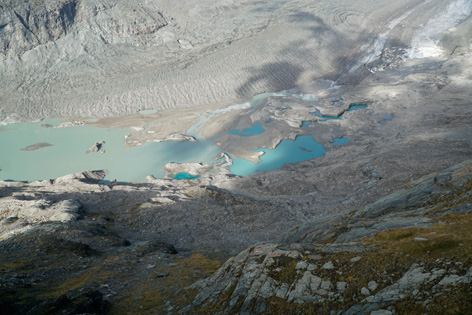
[97, 58]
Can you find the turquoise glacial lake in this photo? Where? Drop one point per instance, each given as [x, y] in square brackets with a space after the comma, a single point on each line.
[288, 151]
[65, 149]
[67, 153]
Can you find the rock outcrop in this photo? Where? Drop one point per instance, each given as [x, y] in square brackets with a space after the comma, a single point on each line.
[91, 176]
[97, 147]
[179, 138]
[28, 24]
[404, 249]
[69, 210]
[36, 146]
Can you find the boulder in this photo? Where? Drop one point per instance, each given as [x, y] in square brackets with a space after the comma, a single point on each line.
[69, 210]
[97, 147]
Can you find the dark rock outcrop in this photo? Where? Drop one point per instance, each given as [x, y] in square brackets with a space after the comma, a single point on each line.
[25, 25]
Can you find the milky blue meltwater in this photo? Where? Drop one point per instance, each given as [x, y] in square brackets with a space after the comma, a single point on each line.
[67, 153]
[288, 151]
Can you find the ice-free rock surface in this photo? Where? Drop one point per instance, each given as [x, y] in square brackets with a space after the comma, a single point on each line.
[68, 211]
[97, 147]
[282, 269]
[36, 146]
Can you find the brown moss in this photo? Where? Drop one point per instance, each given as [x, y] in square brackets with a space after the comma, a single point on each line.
[283, 269]
[276, 305]
[17, 265]
[453, 236]
[330, 239]
[388, 261]
[221, 304]
[151, 294]
[93, 275]
[227, 199]
[457, 301]
[135, 208]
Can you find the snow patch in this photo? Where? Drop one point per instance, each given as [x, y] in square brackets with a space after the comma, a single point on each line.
[425, 43]
[375, 50]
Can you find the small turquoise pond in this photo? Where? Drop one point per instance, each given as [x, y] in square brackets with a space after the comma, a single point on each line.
[386, 118]
[331, 117]
[255, 130]
[185, 175]
[288, 151]
[338, 100]
[357, 106]
[339, 141]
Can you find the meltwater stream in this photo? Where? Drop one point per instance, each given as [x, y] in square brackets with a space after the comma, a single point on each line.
[38, 151]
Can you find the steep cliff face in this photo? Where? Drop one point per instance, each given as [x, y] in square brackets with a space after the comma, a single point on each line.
[28, 24]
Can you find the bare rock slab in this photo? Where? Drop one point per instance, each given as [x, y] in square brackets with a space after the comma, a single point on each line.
[36, 146]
